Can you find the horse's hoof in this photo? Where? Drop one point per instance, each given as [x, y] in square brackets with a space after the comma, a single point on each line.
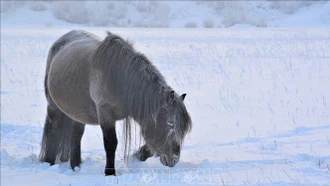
[75, 164]
[140, 156]
[110, 172]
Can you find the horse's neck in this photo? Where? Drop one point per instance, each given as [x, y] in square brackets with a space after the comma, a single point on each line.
[151, 104]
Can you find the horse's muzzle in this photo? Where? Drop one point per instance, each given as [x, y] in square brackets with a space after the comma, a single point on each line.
[170, 162]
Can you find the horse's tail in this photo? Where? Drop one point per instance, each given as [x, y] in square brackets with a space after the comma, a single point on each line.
[56, 139]
[127, 132]
[62, 135]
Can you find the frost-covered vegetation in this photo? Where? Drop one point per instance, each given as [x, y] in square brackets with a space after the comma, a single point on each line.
[193, 14]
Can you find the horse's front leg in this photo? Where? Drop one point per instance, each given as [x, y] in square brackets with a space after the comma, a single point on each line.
[110, 146]
[144, 153]
[109, 139]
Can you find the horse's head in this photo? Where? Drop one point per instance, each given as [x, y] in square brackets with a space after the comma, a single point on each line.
[166, 136]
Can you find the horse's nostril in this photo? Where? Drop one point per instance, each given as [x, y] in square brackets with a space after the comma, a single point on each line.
[175, 159]
[164, 160]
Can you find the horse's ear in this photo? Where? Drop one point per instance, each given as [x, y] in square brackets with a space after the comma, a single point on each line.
[170, 97]
[108, 33]
[183, 96]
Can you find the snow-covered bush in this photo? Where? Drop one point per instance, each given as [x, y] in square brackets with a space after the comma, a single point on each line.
[151, 14]
[208, 23]
[101, 16]
[259, 22]
[38, 6]
[5, 6]
[243, 12]
[48, 24]
[191, 24]
[108, 13]
[289, 7]
[71, 11]
[234, 13]
[12, 5]
[113, 13]
[218, 6]
[161, 16]
[9, 6]
[145, 6]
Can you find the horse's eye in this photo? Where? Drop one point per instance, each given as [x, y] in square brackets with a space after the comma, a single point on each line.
[177, 148]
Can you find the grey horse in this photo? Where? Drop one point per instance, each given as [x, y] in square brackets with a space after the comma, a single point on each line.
[97, 82]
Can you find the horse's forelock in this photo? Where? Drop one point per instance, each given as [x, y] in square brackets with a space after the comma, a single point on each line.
[184, 123]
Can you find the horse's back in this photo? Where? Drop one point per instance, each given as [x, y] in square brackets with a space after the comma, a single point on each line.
[68, 69]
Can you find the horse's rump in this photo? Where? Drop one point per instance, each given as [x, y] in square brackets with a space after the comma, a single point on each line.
[68, 76]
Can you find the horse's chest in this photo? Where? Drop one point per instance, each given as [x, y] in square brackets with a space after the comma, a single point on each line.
[102, 96]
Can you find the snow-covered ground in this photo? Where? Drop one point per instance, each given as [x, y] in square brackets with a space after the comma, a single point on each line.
[259, 97]
[259, 101]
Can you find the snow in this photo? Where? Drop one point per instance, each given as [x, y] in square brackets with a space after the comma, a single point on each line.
[258, 97]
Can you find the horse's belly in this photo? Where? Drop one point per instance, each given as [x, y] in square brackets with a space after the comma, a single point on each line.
[68, 84]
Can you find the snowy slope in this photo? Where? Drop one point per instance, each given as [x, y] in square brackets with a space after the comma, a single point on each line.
[172, 14]
[259, 101]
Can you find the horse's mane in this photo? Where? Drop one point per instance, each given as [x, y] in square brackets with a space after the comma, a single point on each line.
[135, 81]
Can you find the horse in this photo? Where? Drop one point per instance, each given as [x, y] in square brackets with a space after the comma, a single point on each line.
[98, 82]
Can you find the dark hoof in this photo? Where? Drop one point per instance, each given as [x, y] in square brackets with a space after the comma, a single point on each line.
[110, 172]
[50, 161]
[144, 153]
[141, 156]
[75, 164]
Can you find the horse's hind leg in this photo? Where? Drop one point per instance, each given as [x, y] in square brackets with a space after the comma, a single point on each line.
[61, 137]
[75, 153]
[144, 153]
[51, 139]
